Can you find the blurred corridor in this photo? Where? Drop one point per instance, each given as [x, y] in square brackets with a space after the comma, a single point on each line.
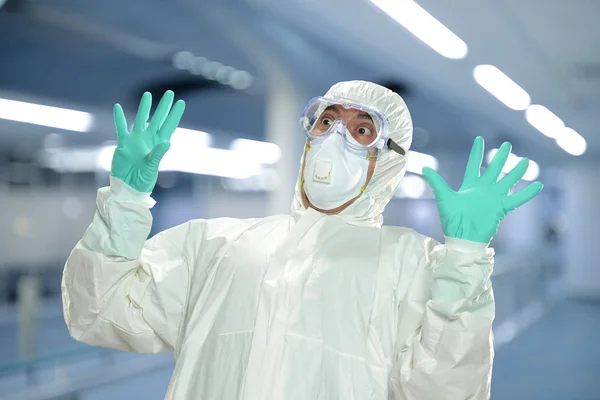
[513, 70]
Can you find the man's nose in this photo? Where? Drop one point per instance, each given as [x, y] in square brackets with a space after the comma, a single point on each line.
[339, 126]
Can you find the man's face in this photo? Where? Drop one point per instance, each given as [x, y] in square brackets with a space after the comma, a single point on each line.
[359, 123]
[363, 130]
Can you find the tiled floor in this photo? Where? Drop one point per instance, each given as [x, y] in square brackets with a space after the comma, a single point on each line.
[557, 358]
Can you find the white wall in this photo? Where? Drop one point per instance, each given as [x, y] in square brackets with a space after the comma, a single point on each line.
[582, 233]
[36, 227]
[42, 225]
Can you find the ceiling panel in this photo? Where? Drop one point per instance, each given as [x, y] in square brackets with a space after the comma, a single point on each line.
[494, 36]
[552, 54]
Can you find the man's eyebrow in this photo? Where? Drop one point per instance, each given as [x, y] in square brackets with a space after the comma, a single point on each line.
[365, 116]
[332, 108]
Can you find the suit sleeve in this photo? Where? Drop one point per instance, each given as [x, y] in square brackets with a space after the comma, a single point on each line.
[120, 290]
[449, 354]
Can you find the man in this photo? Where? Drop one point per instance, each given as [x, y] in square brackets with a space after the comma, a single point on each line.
[324, 303]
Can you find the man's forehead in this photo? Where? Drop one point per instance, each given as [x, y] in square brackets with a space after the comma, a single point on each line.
[338, 109]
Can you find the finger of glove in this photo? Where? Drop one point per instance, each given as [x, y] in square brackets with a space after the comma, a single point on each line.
[172, 121]
[474, 164]
[120, 122]
[492, 172]
[437, 183]
[143, 112]
[162, 110]
[157, 154]
[514, 176]
[523, 196]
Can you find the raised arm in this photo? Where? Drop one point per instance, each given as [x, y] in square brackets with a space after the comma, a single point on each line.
[450, 302]
[449, 355]
[120, 290]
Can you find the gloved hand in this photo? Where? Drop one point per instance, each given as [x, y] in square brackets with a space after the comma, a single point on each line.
[140, 151]
[475, 211]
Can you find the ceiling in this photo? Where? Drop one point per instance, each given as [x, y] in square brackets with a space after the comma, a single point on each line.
[88, 55]
[550, 48]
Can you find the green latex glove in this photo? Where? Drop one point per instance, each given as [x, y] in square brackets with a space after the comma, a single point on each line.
[475, 211]
[139, 152]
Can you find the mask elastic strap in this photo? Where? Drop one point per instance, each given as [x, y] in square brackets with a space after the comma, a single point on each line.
[306, 149]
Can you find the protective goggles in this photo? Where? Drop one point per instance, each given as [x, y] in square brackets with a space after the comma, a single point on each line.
[364, 129]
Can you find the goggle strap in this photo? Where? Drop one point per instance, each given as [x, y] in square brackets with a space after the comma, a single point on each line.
[394, 146]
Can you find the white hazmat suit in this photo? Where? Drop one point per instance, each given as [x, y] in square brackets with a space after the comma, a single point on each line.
[303, 306]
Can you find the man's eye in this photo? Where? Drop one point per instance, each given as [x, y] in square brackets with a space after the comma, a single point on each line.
[364, 131]
[327, 121]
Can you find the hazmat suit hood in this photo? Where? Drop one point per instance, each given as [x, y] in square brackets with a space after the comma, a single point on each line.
[390, 167]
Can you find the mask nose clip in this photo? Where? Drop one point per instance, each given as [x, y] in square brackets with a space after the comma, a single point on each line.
[339, 127]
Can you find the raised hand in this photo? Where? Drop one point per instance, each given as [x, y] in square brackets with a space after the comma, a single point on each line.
[475, 211]
[139, 152]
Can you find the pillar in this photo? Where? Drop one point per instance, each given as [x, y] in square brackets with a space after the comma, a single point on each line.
[283, 108]
[581, 237]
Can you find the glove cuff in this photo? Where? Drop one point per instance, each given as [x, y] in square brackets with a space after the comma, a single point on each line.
[120, 189]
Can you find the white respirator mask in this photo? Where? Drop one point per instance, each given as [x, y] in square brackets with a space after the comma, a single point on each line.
[333, 175]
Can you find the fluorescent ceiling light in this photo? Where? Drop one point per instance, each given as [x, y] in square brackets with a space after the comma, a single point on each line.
[411, 186]
[264, 152]
[571, 142]
[240, 80]
[203, 161]
[502, 87]
[533, 170]
[416, 162]
[210, 161]
[54, 117]
[72, 160]
[425, 27]
[185, 144]
[189, 139]
[266, 180]
[104, 157]
[544, 120]
[490, 156]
